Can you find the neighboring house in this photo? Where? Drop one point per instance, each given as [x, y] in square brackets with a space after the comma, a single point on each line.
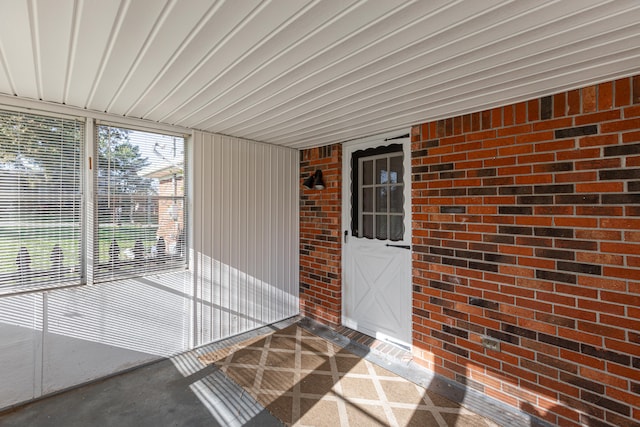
[168, 171]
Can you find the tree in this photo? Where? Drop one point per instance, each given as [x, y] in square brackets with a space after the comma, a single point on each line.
[119, 181]
[35, 152]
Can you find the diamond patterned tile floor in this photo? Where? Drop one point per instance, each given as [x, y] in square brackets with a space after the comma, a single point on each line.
[306, 380]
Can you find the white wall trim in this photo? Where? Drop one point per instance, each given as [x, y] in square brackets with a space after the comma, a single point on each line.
[49, 108]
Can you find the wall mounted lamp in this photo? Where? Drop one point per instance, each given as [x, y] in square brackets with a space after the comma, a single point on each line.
[314, 181]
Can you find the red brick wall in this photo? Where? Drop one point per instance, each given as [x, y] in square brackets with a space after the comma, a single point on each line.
[526, 225]
[168, 228]
[320, 247]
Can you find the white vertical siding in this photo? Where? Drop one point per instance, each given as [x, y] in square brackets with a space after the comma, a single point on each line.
[21, 331]
[245, 222]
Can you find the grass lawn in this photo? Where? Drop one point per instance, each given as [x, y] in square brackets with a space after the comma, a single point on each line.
[40, 242]
[126, 236]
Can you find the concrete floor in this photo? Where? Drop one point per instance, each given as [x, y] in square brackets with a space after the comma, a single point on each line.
[154, 395]
[182, 391]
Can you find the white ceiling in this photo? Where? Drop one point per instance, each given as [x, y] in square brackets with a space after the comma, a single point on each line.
[305, 73]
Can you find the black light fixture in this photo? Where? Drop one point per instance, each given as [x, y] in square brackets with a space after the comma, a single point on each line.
[314, 181]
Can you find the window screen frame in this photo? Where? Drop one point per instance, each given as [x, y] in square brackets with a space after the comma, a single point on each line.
[57, 259]
[183, 263]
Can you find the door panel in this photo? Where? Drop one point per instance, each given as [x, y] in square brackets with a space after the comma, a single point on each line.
[376, 301]
[376, 227]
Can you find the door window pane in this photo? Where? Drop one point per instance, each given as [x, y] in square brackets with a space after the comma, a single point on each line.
[396, 199]
[367, 172]
[396, 227]
[381, 227]
[367, 200]
[395, 175]
[381, 171]
[381, 199]
[367, 226]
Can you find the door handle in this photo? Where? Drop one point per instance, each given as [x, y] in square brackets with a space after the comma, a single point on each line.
[399, 246]
[346, 233]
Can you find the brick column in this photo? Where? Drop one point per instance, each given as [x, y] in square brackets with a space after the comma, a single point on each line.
[320, 231]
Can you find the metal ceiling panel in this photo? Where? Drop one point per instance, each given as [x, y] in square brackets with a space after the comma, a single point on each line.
[178, 25]
[136, 26]
[93, 24]
[18, 50]
[201, 44]
[305, 73]
[52, 46]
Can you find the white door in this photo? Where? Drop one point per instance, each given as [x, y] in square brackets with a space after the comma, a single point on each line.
[376, 226]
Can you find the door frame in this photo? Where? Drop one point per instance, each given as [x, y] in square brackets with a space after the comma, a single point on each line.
[348, 148]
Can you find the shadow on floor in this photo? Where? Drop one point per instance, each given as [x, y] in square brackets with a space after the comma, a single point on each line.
[182, 391]
[154, 395]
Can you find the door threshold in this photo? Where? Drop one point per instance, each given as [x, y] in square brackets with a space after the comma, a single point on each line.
[385, 347]
[400, 345]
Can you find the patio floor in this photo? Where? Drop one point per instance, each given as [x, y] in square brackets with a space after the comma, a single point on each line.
[184, 391]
